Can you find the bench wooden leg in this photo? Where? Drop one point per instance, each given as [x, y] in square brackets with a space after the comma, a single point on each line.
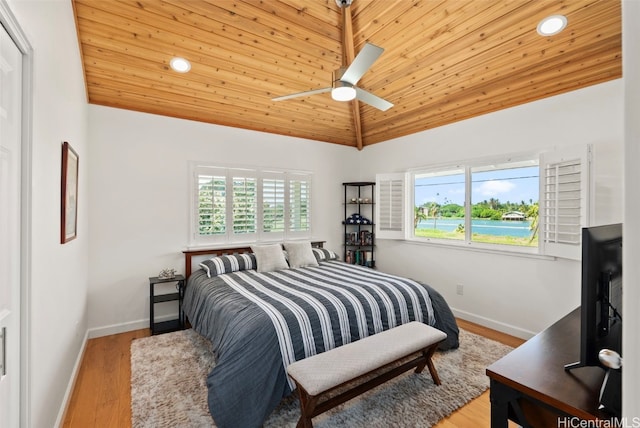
[427, 354]
[432, 368]
[434, 373]
[307, 408]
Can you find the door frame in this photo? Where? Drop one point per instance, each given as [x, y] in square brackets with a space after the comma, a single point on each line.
[11, 25]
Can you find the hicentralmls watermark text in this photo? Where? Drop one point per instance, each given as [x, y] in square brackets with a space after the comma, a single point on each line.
[573, 422]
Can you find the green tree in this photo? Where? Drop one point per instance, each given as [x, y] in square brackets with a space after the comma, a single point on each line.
[532, 213]
[418, 216]
[452, 210]
[434, 209]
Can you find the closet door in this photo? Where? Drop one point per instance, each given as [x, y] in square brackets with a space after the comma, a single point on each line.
[10, 202]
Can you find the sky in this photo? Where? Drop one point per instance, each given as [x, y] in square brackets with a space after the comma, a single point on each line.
[506, 185]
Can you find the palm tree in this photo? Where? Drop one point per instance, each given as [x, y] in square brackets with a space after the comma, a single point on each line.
[434, 208]
[418, 216]
[532, 213]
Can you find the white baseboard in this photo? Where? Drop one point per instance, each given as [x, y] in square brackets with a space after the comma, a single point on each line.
[72, 382]
[493, 324]
[91, 334]
[128, 326]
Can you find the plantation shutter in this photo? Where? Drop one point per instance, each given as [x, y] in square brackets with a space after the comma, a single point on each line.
[244, 205]
[273, 206]
[390, 206]
[210, 213]
[565, 201]
[234, 205]
[299, 215]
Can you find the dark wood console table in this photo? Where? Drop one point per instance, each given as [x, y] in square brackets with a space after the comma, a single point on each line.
[531, 387]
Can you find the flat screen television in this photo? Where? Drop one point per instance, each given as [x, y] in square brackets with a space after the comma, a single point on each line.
[601, 307]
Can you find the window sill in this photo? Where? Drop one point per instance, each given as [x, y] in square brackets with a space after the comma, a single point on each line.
[464, 246]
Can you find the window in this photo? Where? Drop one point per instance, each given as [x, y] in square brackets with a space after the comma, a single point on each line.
[247, 205]
[504, 203]
[439, 204]
[503, 200]
[494, 203]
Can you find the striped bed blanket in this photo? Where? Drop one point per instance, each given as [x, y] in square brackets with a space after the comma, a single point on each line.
[259, 323]
[331, 305]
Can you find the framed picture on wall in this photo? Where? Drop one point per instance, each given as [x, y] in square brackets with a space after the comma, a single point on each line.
[69, 194]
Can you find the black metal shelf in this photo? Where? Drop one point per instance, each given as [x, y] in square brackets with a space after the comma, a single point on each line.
[354, 233]
[357, 224]
[166, 297]
[167, 326]
[170, 325]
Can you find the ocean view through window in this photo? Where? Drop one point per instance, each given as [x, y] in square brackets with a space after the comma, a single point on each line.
[490, 204]
[439, 204]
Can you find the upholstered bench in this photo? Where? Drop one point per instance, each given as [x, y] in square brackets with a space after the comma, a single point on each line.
[332, 370]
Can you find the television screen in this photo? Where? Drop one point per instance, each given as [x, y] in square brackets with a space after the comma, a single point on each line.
[601, 301]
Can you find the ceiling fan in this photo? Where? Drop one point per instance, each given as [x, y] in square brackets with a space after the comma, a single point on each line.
[345, 78]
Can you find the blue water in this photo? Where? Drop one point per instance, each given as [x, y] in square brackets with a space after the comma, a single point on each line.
[518, 229]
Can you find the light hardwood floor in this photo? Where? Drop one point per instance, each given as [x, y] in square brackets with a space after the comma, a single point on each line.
[102, 393]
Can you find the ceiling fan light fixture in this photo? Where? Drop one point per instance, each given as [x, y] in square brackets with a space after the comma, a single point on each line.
[552, 25]
[345, 92]
[180, 65]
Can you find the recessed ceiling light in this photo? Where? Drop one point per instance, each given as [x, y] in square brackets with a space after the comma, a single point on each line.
[552, 25]
[180, 65]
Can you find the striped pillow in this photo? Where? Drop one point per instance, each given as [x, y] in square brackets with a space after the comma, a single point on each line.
[322, 254]
[228, 263]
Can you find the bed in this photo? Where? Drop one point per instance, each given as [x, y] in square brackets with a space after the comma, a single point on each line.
[261, 320]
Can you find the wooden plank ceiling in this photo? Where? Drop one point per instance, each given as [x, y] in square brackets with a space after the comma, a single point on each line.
[444, 60]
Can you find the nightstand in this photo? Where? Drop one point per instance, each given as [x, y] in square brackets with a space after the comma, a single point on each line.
[171, 325]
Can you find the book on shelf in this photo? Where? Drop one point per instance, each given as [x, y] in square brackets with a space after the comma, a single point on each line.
[364, 237]
[360, 257]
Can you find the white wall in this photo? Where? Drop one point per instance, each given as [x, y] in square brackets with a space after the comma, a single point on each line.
[518, 295]
[631, 302]
[139, 198]
[58, 289]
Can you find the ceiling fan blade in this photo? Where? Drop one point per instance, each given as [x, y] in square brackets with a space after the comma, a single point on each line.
[302, 94]
[372, 100]
[361, 63]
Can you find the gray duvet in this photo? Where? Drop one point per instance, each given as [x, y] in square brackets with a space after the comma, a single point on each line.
[244, 317]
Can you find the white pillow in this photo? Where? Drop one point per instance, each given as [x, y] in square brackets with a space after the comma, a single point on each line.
[269, 257]
[300, 254]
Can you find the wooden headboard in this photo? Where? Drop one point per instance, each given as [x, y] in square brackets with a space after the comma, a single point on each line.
[211, 252]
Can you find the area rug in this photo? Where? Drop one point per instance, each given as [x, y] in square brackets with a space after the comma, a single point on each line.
[168, 387]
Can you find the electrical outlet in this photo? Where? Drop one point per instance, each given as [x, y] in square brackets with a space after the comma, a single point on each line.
[460, 289]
